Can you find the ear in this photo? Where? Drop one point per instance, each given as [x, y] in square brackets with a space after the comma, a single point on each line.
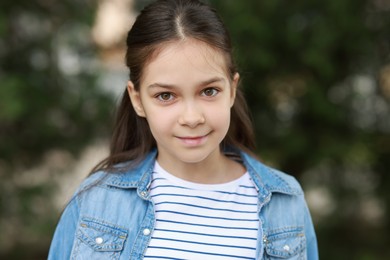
[234, 86]
[135, 99]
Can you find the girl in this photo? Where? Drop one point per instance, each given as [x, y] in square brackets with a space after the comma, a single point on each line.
[181, 181]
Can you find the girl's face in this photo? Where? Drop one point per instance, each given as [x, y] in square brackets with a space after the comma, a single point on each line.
[186, 97]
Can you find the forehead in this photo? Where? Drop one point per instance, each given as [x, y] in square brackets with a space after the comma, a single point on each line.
[188, 58]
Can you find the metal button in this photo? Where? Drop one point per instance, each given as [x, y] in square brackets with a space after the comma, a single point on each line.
[144, 194]
[286, 248]
[146, 232]
[99, 240]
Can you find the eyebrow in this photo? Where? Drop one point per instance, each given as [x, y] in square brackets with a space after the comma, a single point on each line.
[202, 83]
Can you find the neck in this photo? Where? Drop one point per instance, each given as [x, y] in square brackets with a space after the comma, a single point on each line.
[215, 169]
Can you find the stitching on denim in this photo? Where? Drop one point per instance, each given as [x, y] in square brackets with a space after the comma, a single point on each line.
[297, 251]
[102, 222]
[290, 190]
[75, 251]
[285, 229]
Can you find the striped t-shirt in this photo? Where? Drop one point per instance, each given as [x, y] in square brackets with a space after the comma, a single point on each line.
[203, 221]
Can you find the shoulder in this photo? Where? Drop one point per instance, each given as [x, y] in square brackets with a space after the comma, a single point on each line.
[291, 181]
[94, 179]
[123, 175]
[272, 179]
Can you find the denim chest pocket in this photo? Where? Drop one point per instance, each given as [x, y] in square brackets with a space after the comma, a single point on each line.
[98, 240]
[285, 244]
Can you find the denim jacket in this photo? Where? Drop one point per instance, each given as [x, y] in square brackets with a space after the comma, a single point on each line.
[112, 216]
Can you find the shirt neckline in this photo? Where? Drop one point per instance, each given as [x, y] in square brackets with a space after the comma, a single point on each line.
[200, 186]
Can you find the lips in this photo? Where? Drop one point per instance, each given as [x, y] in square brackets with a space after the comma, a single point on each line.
[193, 140]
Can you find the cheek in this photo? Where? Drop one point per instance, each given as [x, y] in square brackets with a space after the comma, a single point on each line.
[219, 118]
[160, 122]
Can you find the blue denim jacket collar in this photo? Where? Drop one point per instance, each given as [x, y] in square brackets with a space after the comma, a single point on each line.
[266, 179]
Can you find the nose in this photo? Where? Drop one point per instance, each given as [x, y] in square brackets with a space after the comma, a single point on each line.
[191, 115]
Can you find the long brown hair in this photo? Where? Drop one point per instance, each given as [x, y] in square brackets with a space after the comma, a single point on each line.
[159, 23]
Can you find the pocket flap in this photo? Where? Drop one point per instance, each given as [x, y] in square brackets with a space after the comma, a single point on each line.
[285, 244]
[101, 236]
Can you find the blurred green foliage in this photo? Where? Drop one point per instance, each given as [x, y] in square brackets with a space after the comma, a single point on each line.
[49, 99]
[313, 75]
[48, 95]
[311, 71]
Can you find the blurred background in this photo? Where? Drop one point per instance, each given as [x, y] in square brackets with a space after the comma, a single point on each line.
[316, 75]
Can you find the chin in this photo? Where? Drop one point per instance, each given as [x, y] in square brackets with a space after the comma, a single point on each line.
[194, 158]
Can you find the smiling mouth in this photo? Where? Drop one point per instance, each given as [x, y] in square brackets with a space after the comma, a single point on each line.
[193, 140]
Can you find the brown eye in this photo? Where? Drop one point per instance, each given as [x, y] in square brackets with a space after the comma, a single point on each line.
[165, 96]
[210, 92]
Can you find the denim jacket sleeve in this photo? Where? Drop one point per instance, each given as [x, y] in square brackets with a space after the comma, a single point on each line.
[311, 240]
[62, 242]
